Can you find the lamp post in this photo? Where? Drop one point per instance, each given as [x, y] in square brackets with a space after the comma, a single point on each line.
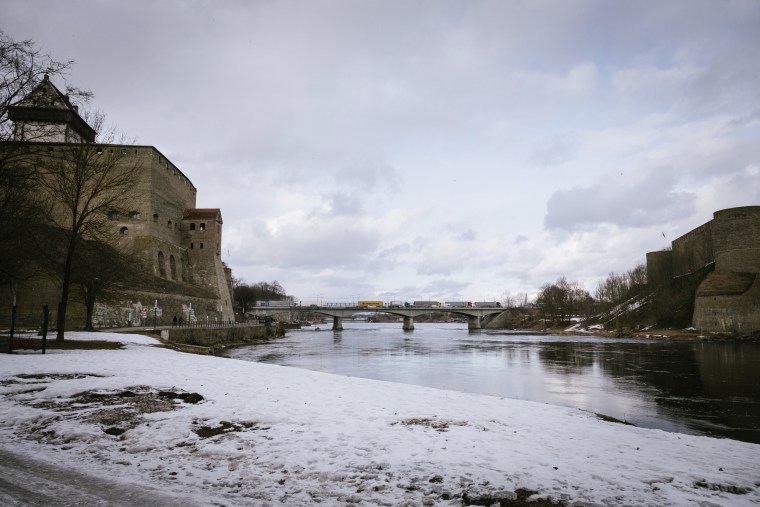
[155, 314]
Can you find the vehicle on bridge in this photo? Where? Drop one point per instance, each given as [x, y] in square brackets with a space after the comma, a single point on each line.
[486, 304]
[370, 304]
[458, 304]
[427, 304]
[276, 304]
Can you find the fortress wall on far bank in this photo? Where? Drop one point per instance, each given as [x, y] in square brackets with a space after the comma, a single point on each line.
[736, 239]
[728, 299]
[659, 267]
[734, 313]
[693, 250]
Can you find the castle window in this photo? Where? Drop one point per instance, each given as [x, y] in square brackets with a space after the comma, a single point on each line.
[192, 226]
[201, 245]
[161, 267]
[113, 215]
[123, 151]
[169, 224]
[124, 231]
[192, 245]
[135, 215]
[203, 226]
[155, 217]
[173, 267]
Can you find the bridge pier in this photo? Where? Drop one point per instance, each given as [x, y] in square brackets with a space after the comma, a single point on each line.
[473, 323]
[408, 323]
[337, 324]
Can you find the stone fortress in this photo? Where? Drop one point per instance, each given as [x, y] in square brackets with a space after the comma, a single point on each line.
[727, 250]
[175, 242]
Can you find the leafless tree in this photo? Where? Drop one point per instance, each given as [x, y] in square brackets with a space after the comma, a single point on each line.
[22, 213]
[563, 299]
[86, 183]
[22, 67]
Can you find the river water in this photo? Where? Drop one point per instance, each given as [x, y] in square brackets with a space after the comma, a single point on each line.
[706, 388]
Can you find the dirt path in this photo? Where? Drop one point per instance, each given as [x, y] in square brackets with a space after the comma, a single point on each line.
[27, 481]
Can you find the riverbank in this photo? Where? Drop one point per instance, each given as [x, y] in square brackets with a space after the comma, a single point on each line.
[210, 430]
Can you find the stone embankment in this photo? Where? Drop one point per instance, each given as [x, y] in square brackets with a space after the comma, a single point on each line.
[208, 340]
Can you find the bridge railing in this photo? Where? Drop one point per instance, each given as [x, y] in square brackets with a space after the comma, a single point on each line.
[215, 323]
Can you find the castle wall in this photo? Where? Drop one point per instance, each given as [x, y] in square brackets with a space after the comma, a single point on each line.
[141, 308]
[728, 299]
[729, 313]
[693, 250]
[659, 267]
[736, 236]
[162, 193]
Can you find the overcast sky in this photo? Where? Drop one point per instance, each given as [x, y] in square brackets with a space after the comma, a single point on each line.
[403, 150]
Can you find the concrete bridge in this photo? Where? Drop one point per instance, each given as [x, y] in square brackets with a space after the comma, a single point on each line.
[338, 313]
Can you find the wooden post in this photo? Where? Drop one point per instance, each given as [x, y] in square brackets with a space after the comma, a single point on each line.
[45, 314]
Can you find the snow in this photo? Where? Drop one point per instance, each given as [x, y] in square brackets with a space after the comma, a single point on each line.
[299, 437]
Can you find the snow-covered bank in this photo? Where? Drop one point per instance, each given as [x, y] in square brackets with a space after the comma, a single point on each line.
[271, 434]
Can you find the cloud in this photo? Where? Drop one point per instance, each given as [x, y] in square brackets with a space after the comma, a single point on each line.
[444, 288]
[553, 151]
[365, 147]
[650, 200]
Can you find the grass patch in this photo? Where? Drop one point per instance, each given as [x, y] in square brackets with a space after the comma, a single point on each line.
[204, 431]
[53, 344]
[521, 499]
[441, 426]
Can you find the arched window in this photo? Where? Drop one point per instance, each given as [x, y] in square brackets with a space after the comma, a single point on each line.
[173, 267]
[124, 231]
[161, 267]
[135, 215]
[155, 217]
[169, 224]
[113, 215]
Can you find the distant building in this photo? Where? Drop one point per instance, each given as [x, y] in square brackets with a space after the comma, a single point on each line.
[728, 247]
[179, 244]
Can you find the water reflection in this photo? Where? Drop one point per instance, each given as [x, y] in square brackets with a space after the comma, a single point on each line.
[704, 388]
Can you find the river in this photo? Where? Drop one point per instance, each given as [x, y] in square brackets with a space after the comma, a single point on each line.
[706, 387]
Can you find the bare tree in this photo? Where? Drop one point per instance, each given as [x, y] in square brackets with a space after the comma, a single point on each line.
[563, 299]
[86, 183]
[22, 213]
[101, 270]
[22, 67]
